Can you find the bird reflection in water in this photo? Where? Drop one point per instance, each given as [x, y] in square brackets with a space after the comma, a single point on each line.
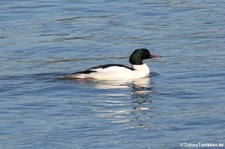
[140, 113]
[136, 112]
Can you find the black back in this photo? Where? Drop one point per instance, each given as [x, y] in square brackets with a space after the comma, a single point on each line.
[92, 69]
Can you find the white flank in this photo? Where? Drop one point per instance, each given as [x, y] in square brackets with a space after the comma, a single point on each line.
[115, 73]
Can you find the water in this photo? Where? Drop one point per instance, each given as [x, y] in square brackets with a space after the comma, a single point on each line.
[182, 102]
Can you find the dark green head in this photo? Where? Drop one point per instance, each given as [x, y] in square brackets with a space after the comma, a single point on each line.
[139, 55]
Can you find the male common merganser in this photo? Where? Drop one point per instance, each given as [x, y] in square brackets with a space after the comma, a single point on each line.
[118, 71]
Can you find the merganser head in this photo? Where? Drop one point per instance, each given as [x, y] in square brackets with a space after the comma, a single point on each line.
[139, 55]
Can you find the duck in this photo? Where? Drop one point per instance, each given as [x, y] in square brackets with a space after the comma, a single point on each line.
[118, 71]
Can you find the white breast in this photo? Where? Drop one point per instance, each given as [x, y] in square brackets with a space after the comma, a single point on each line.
[141, 70]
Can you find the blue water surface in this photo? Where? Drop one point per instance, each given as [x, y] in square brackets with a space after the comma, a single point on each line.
[182, 102]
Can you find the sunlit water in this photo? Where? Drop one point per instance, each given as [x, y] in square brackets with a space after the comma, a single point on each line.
[182, 102]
